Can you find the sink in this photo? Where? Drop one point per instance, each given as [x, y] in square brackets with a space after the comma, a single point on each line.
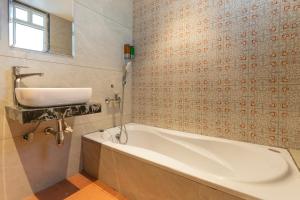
[47, 97]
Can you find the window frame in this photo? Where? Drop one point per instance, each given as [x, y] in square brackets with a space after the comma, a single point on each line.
[29, 23]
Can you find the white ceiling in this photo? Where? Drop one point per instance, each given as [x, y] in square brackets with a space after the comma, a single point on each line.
[61, 8]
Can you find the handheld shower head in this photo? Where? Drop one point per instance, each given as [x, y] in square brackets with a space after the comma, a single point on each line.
[125, 71]
[128, 66]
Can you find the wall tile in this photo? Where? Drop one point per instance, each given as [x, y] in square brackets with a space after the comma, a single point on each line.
[219, 68]
[101, 44]
[118, 11]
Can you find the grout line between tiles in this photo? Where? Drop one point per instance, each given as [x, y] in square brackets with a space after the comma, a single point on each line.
[101, 14]
[3, 161]
[62, 63]
[294, 160]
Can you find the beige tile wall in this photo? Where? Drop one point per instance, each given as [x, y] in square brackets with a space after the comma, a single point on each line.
[225, 68]
[29, 167]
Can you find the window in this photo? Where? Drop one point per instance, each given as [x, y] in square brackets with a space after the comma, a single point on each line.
[28, 28]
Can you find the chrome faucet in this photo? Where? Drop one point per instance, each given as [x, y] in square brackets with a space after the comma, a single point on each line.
[17, 77]
[116, 99]
[62, 128]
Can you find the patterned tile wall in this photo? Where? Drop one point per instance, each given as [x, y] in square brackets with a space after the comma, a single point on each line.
[225, 68]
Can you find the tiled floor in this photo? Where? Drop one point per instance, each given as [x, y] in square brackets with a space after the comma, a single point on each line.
[78, 187]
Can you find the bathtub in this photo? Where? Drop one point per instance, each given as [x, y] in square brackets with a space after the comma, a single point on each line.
[246, 170]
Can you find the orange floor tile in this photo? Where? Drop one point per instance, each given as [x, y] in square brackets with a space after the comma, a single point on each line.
[78, 187]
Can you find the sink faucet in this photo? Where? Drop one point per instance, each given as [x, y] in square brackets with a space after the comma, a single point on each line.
[17, 77]
[62, 128]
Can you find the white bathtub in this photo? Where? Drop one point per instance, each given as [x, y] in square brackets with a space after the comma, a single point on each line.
[259, 171]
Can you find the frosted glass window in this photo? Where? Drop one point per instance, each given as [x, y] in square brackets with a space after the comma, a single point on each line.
[11, 34]
[37, 20]
[28, 28]
[21, 14]
[29, 38]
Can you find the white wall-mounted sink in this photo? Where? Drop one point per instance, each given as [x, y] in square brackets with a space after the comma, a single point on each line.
[47, 97]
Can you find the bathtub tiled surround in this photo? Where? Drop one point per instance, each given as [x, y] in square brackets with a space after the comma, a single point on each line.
[91, 151]
[140, 180]
[137, 179]
[26, 168]
[220, 68]
[296, 156]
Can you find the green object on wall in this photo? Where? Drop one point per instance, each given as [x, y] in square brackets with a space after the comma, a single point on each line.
[132, 52]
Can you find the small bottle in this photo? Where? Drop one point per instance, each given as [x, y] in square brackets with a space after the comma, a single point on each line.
[127, 51]
[132, 52]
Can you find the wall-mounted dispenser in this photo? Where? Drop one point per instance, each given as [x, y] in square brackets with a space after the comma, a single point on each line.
[132, 52]
[129, 52]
